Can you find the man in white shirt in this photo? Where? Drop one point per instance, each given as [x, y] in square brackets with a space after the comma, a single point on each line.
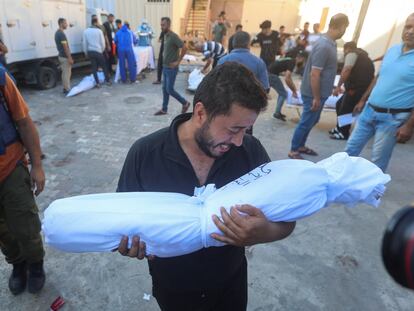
[93, 47]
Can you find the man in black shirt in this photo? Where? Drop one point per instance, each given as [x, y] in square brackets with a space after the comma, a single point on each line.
[208, 146]
[110, 32]
[284, 65]
[269, 42]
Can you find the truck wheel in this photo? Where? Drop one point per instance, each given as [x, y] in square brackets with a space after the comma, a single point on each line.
[46, 77]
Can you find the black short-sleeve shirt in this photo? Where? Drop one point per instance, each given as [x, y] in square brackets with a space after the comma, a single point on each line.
[282, 65]
[158, 163]
[60, 39]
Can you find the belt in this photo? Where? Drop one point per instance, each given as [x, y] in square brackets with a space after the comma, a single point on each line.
[390, 110]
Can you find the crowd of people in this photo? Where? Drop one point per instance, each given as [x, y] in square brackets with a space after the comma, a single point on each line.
[209, 145]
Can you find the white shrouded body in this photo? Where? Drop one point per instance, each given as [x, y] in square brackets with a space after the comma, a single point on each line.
[175, 224]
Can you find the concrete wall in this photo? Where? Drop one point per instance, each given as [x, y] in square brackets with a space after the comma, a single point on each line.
[381, 27]
[280, 12]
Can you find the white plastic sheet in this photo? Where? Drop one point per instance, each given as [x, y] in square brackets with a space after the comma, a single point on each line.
[194, 79]
[330, 102]
[175, 224]
[86, 84]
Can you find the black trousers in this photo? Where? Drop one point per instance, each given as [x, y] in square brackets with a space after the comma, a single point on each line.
[98, 60]
[346, 104]
[231, 296]
[159, 64]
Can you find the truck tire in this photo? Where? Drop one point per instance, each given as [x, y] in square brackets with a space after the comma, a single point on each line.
[46, 77]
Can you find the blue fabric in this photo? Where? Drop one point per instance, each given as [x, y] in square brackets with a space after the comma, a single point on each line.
[8, 132]
[307, 121]
[277, 84]
[254, 63]
[132, 65]
[124, 39]
[383, 126]
[395, 84]
[169, 76]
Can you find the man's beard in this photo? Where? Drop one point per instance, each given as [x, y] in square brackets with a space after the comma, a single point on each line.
[205, 141]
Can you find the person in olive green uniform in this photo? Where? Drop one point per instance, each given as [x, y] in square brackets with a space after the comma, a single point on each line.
[171, 59]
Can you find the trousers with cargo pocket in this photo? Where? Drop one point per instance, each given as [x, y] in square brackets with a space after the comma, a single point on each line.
[20, 225]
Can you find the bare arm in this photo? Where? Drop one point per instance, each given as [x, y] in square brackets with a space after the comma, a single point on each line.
[250, 228]
[3, 48]
[208, 63]
[31, 142]
[67, 52]
[358, 108]
[289, 82]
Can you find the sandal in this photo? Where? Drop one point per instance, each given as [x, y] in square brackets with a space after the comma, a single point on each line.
[338, 136]
[295, 155]
[308, 151]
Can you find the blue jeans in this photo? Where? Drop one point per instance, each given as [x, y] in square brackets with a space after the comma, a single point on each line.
[169, 76]
[307, 121]
[383, 126]
[277, 84]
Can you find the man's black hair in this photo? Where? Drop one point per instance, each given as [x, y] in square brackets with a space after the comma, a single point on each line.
[118, 21]
[94, 20]
[111, 15]
[241, 40]
[239, 26]
[167, 19]
[351, 45]
[228, 84]
[61, 21]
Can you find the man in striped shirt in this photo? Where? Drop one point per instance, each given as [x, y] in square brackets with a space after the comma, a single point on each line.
[212, 52]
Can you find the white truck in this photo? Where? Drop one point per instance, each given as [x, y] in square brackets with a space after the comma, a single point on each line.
[27, 28]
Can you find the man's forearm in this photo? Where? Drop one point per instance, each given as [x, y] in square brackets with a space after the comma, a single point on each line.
[279, 230]
[183, 51]
[369, 90]
[67, 51]
[316, 85]
[31, 141]
[346, 71]
[410, 121]
[289, 82]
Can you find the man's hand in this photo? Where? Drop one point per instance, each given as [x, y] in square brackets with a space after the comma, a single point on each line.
[404, 133]
[242, 230]
[174, 64]
[295, 94]
[37, 176]
[70, 61]
[316, 104]
[337, 91]
[137, 250]
[358, 108]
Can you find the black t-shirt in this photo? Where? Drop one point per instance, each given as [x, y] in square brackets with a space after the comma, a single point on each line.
[269, 46]
[60, 38]
[158, 163]
[281, 65]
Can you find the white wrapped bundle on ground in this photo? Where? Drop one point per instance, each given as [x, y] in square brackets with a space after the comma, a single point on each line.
[86, 84]
[194, 79]
[175, 224]
[330, 102]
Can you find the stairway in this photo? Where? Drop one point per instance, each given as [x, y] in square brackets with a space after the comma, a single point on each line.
[197, 17]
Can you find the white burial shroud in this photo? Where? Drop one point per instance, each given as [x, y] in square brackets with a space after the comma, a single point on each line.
[174, 224]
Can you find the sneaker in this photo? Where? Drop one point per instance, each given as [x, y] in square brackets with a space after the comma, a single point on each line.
[98, 86]
[18, 278]
[333, 131]
[156, 82]
[65, 92]
[37, 277]
[279, 116]
[185, 107]
[108, 83]
[160, 113]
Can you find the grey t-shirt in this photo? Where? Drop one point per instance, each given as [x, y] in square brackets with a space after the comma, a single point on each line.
[323, 57]
[60, 39]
